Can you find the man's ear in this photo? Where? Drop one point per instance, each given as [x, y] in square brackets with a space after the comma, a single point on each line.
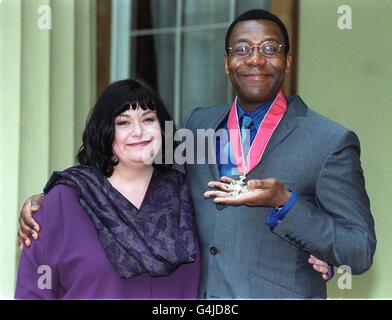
[288, 62]
[226, 62]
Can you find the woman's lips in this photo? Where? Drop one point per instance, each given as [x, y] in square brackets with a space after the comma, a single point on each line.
[139, 144]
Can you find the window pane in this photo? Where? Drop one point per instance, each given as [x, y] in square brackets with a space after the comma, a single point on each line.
[245, 5]
[149, 14]
[153, 62]
[198, 12]
[203, 79]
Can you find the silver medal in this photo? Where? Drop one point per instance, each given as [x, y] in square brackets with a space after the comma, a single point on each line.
[238, 187]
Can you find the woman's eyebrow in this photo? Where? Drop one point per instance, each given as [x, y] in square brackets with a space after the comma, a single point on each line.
[147, 111]
[143, 114]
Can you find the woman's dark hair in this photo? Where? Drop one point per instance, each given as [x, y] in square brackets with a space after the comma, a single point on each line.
[98, 135]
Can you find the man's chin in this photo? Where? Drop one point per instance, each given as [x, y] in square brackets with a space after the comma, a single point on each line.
[258, 98]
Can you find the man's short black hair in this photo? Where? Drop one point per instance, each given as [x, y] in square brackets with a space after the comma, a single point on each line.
[259, 14]
[98, 135]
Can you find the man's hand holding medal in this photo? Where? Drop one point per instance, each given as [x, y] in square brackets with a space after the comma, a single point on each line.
[261, 192]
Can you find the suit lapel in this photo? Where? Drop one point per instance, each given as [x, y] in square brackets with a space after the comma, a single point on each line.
[216, 121]
[288, 123]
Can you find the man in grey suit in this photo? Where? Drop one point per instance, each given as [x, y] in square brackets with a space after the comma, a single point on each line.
[305, 195]
[304, 192]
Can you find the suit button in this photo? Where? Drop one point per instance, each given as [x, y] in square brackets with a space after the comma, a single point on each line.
[220, 206]
[213, 251]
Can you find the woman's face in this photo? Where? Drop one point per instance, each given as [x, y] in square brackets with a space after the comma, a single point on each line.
[137, 138]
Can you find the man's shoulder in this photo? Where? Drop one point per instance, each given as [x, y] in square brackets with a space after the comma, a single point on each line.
[205, 116]
[313, 118]
[211, 110]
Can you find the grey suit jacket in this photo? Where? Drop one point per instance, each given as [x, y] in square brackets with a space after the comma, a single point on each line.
[241, 257]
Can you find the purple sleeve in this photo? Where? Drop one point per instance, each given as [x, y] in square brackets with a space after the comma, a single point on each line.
[38, 266]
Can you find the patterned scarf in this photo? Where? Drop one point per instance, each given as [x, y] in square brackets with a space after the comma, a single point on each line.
[155, 239]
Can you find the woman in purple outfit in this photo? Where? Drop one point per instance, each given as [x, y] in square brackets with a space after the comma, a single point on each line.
[116, 226]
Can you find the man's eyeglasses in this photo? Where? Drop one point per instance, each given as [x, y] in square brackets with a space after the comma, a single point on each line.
[244, 50]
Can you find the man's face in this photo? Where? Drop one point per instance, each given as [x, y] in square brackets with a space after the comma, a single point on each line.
[256, 79]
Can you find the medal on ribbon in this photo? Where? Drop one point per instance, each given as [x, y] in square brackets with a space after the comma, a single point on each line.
[267, 127]
[238, 187]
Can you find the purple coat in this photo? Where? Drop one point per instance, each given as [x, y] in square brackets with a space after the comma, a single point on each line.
[69, 249]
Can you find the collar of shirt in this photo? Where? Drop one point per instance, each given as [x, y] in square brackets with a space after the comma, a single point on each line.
[256, 115]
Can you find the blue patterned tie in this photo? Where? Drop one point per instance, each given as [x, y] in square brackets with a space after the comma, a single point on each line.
[246, 124]
[230, 168]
